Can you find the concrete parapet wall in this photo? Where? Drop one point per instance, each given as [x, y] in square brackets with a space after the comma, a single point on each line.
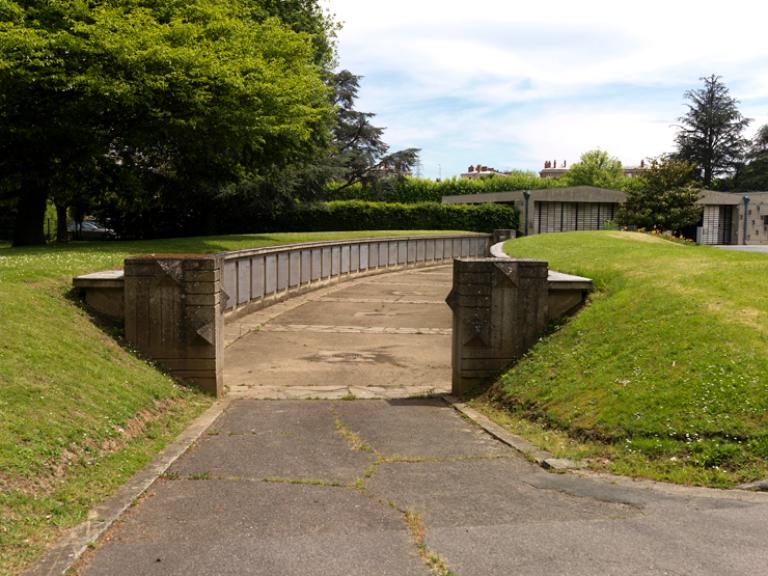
[501, 307]
[173, 314]
[252, 279]
[499, 311]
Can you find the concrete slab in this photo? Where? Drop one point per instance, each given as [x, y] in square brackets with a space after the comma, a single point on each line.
[484, 492]
[499, 517]
[259, 440]
[422, 428]
[387, 314]
[425, 291]
[239, 528]
[666, 542]
[269, 359]
[484, 510]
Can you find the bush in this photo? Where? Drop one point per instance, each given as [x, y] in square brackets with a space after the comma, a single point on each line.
[422, 190]
[362, 215]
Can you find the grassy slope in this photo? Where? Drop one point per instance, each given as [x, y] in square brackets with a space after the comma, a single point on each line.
[666, 371]
[78, 413]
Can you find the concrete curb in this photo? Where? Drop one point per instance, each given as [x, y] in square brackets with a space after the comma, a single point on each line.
[759, 486]
[497, 251]
[540, 457]
[68, 550]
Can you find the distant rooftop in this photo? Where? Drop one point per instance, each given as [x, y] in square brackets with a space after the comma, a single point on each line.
[551, 169]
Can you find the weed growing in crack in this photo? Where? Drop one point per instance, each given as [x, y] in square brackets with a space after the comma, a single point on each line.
[199, 476]
[304, 481]
[353, 438]
[417, 529]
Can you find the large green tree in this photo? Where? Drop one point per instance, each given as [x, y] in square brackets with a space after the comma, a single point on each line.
[665, 198]
[359, 154]
[199, 94]
[595, 168]
[753, 174]
[710, 134]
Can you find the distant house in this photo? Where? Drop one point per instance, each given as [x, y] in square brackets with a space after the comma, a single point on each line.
[480, 171]
[551, 170]
[725, 218]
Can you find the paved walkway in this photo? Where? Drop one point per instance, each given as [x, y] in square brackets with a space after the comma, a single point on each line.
[397, 487]
[762, 249]
[376, 487]
[384, 336]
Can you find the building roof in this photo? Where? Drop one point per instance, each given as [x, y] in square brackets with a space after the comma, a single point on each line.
[711, 197]
[569, 194]
[593, 194]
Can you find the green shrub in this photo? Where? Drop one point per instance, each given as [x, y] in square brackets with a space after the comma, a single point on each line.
[362, 215]
[423, 190]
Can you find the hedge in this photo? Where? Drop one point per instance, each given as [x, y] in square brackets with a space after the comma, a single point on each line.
[363, 215]
[423, 190]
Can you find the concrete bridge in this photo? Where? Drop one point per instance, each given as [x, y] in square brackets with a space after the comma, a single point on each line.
[385, 484]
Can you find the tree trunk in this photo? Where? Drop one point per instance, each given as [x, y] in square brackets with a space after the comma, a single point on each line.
[61, 223]
[30, 218]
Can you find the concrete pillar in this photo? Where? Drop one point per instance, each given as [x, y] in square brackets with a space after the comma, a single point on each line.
[503, 234]
[499, 311]
[174, 315]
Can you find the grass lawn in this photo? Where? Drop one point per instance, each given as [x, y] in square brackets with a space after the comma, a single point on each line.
[78, 413]
[663, 375]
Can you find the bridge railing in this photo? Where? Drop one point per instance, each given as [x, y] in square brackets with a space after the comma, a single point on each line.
[257, 277]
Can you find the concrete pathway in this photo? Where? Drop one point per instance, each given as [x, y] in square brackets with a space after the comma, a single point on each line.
[397, 486]
[762, 249]
[408, 487]
[384, 336]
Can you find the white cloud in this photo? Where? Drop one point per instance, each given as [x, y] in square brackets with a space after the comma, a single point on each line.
[545, 79]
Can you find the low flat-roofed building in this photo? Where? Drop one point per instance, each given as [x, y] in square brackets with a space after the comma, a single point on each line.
[555, 209]
[588, 208]
[727, 217]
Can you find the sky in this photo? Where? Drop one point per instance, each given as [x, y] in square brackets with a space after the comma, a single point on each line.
[511, 84]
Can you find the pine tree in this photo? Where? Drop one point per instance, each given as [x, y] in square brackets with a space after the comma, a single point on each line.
[710, 135]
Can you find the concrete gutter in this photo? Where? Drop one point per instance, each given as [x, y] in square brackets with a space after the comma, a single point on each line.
[59, 559]
[541, 457]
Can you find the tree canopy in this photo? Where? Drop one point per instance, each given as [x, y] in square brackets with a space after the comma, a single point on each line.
[666, 197]
[359, 153]
[710, 135]
[753, 173]
[595, 168]
[180, 98]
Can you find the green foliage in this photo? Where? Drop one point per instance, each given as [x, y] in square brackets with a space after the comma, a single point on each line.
[424, 190]
[753, 174]
[305, 16]
[710, 135]
[595, 168]
[664, 366]
[183, 98]
[358, 153]
[665, 198]
[362, 215]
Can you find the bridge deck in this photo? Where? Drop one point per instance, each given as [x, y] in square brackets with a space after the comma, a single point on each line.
[383, 336]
